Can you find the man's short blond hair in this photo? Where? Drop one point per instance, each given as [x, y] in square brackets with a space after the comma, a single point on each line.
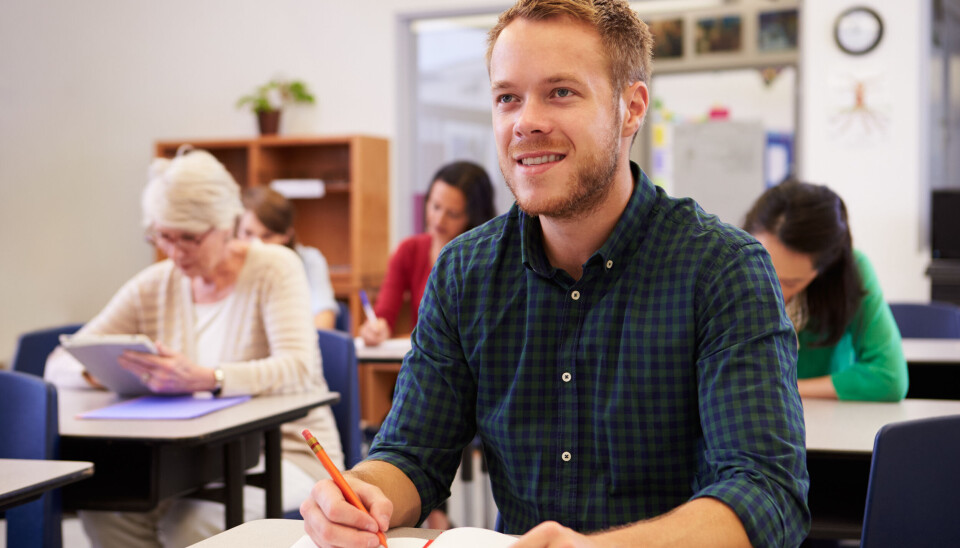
[625, 37]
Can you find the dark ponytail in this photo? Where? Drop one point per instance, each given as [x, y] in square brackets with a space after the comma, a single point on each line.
[812, 219]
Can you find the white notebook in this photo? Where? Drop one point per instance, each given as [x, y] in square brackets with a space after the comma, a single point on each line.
[461, 537]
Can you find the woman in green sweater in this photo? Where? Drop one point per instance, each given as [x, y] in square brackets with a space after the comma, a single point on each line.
[849, 344]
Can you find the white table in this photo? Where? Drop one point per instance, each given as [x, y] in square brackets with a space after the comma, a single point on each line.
[850, 427]
[932, 350]
[934, 366]
[282, 533]
[141, 462]
[22, 480]
[840, 438]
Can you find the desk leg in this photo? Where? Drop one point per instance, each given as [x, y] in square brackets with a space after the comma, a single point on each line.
[274, 484]
[233, 482]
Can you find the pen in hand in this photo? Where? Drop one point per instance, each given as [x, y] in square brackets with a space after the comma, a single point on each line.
[367, 309]
[337, 477]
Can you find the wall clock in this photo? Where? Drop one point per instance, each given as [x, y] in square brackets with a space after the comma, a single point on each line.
[858, 30]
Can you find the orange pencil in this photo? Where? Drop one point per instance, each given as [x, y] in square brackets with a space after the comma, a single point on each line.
[348, 493]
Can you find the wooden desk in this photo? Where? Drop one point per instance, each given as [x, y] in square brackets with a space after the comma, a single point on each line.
[22, 480]
[934, 366]
[140, 463]
[840, 438]
[282, 533]
[378, 368]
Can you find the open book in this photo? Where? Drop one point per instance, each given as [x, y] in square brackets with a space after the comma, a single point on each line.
[99, 353]
[461, 537]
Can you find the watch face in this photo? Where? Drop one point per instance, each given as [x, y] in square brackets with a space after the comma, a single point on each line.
[858, 30]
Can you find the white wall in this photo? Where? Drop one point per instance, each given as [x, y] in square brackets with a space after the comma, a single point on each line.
[881, 174]
[87, 87]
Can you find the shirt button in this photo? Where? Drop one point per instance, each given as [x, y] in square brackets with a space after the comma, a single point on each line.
[566, 456]
[575, 295]
[566, 376]
[609, 264]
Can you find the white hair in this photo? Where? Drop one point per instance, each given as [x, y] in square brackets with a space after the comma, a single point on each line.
[192, 192]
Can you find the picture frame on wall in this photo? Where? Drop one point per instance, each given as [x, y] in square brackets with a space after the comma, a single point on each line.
[723, 34]
[667, 38]
[778, 30]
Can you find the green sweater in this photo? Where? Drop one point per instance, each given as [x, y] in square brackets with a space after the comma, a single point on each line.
[867, 363]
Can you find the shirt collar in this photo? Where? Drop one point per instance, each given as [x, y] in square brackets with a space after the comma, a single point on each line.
[622, 242]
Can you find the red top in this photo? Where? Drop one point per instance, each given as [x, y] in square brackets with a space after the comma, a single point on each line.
[408, 270]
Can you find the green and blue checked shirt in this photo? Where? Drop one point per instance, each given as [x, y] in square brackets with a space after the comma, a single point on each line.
[666, 373]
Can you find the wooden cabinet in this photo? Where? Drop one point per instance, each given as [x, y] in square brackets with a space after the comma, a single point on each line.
[349, 224]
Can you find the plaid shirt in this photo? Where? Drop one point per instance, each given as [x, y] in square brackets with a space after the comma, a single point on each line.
[666, 373]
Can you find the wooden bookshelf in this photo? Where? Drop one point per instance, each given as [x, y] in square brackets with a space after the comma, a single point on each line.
[350, 224]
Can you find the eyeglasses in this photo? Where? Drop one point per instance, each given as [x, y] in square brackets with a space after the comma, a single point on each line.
[186, 241]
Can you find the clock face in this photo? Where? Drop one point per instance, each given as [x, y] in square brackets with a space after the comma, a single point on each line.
[858, 30]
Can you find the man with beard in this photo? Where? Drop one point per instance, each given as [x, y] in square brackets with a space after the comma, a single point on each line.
[623, 356]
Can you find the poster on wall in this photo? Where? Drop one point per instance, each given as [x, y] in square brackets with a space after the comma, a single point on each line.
[667, 38]
[719, 34]
[777, 31]
[859, 108]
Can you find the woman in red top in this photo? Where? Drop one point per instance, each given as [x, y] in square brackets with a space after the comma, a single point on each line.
[459, 198]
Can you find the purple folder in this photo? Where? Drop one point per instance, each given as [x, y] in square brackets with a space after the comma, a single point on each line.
[163, 407]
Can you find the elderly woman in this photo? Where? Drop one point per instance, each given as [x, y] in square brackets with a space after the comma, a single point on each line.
[228, 316]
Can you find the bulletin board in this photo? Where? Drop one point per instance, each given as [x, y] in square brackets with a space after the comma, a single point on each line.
[720, 164]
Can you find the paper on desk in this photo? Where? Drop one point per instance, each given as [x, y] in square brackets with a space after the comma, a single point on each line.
[394, 349]
[460, 537]
[163, 407]
[305, 542]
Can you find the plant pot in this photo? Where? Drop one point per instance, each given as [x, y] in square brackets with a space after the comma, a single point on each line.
[269, 122]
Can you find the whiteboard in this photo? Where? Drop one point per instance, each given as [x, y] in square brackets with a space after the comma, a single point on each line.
[720, 165]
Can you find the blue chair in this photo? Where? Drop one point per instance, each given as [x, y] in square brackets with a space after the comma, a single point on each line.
[344, 320]
[340, 369]
[914, 489]
[339, 357]
[34, 347]
[927, 320]
[29, 429]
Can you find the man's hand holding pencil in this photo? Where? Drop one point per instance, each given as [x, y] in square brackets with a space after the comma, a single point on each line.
[338, 508]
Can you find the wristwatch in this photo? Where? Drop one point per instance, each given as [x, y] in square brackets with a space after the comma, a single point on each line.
[218, 380]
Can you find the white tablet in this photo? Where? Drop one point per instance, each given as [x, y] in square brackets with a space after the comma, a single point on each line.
[99, 353]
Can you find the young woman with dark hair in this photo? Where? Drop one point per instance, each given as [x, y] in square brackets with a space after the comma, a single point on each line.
[460, 198]
[849, 344]
[268, 217]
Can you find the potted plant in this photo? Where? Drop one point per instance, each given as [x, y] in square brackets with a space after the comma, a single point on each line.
[268, 100]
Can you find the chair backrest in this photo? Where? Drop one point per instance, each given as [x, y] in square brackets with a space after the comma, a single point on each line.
[344, 319]
[927, 320]
[34, 347]
[914, 491]
[29, 429]
[340, 369]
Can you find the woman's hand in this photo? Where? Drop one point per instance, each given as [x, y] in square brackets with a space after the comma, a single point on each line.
[168, 371]
[374, 333]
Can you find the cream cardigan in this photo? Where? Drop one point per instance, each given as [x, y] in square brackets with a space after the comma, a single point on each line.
[270, 345]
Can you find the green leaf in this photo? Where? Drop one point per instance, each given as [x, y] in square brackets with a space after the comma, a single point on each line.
[289, 91]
